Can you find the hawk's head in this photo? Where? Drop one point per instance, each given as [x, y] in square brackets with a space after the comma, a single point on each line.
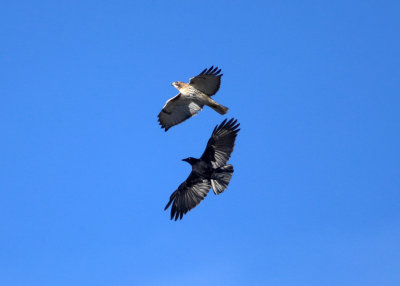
[177, 84]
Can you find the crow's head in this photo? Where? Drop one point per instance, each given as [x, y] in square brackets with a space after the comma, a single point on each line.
[190, 160]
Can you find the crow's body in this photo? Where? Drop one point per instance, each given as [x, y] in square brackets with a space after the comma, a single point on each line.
[200, 167]
[210, 171]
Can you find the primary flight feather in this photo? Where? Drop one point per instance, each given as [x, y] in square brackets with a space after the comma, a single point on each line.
[191, 98]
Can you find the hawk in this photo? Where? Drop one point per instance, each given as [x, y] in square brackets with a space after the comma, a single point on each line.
[191, 98]
[210, 171]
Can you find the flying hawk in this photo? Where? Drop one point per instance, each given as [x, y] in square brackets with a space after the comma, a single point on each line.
[210, 171]
[191, 98]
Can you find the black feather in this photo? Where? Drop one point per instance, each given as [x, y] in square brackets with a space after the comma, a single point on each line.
[213, 161]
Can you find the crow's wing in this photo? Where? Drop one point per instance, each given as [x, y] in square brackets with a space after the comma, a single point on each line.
[220, 145]
[177, 110]
[188, 195]
[208, 81]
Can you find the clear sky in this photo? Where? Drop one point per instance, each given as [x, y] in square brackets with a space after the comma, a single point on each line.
[85, 170]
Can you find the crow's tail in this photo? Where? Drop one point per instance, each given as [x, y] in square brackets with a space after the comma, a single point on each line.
[220, 178]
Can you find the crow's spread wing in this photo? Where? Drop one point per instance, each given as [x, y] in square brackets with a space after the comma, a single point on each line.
[177, 110]
[189, 194]
[220, 145]
[208, 81]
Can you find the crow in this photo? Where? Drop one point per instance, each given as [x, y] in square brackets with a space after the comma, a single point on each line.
[210, 171]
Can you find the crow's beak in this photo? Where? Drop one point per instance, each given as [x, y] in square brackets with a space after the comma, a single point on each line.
[185, 160]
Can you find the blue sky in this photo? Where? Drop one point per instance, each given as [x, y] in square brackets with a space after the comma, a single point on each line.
[86, 171]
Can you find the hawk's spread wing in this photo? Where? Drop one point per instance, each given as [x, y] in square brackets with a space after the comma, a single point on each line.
[177, 110]
[208, 81]
[189, 194]
[220, 145]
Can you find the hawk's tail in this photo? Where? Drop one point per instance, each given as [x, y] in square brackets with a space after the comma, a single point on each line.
[220, 178]
[216, 106]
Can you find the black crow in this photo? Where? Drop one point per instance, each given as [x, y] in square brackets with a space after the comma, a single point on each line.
[210, 171]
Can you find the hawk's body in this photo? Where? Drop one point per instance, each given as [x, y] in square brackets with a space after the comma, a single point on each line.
[191, 98]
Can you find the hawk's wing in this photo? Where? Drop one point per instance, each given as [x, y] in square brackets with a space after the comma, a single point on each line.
[220, 145]
[177, 110]
[208, 81]
[189, 194]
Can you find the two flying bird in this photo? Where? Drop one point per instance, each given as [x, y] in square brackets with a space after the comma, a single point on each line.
[211, 169]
